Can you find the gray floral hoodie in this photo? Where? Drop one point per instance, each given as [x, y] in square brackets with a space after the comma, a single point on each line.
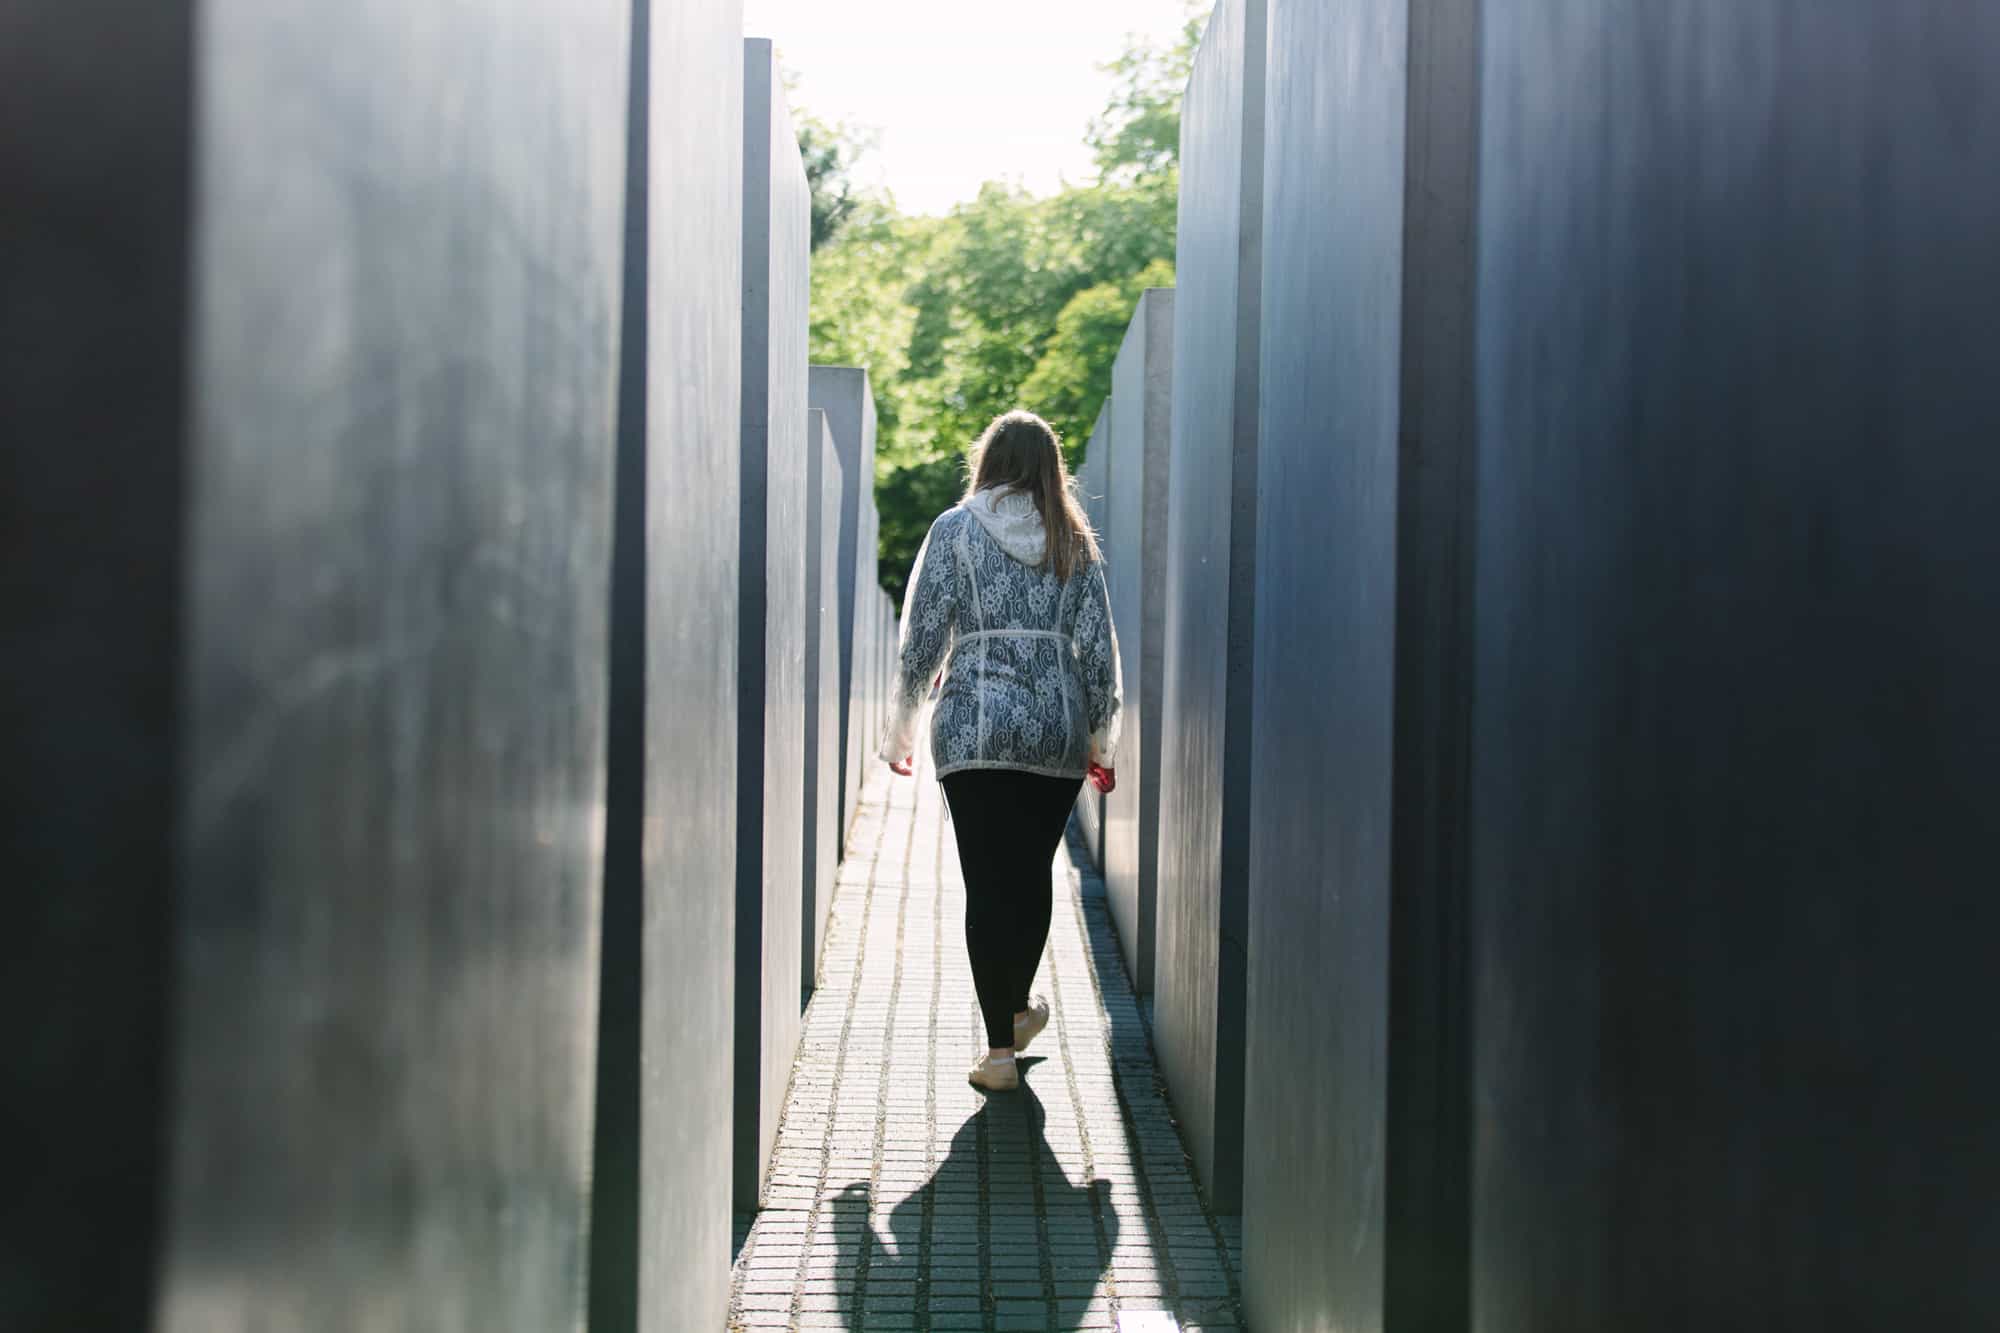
[1033, 683]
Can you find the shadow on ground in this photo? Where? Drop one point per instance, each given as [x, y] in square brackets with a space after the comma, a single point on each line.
[1034, 1252]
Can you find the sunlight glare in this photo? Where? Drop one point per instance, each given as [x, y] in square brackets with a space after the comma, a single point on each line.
[960, 93]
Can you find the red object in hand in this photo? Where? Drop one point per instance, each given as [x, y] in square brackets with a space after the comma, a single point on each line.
[902, 767]
[1104, 779]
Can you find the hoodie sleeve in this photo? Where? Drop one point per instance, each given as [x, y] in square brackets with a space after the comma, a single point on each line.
[1097, 656]
[928, 620]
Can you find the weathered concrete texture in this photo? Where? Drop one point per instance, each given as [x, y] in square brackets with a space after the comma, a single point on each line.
[1737, 633]
[1210, 595]
[842, 392]
[865, 734]
[93, 317]
[870, 691]
[1318, 1063]
[401, 443]
[886, 630]
[1136, 566]
[1093, 481]
[821, 797]
[891, 627]
[771, 757]
[891, 624]
[861, 707]
[694, 412]
[875, 639]
[667, 934]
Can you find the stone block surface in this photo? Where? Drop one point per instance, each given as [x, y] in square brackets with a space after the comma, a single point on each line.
[661, 1151]
[771, 685]
[394, 514]
[694, 361]
[1136, 566]
[842, 392]
[1653, 582]
[1336, 672]
[865, 734]
[1210, 593]
[1737, 630]
[94, 283]
[1093, 484]
[872, 653]
[821, 797]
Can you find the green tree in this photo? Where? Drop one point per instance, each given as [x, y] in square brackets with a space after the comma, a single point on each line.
[1010, 300]
[908, 498]
[1140, 131]
[861, 314]
[1070, 381]
[829, 153]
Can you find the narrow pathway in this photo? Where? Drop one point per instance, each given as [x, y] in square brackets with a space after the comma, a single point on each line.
[901, 1198]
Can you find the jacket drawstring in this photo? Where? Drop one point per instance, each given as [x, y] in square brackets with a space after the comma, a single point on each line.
[937, 688]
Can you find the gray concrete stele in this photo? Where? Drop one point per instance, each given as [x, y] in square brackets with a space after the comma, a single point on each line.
[1205, 754]
[771, 686]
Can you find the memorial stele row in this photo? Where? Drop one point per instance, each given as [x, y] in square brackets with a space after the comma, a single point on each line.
[1566, 758]
[401, 745]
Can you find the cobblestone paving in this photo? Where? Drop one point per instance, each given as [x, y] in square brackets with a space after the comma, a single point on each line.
[902, 1198]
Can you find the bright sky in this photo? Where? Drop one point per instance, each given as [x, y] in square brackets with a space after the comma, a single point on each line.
[961, 91]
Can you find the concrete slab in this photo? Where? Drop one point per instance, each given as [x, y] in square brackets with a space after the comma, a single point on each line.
[842, 392]
[871, 689]
[1205, 740]
[864, 734]
[821, 797]
[693, 426]
[401, 363]
[94, 242]
[1093, 482]
[1606, 603]
[1737, 632]
[1141, 448]
[1340, 671]
[771, 758]
[661, 1150]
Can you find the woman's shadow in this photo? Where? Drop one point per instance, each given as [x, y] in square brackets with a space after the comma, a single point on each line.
[1029, 1249]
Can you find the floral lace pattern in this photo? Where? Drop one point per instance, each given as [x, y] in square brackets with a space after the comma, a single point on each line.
[1034, 677]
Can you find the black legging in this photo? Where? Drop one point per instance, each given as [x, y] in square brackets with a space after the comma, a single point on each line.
[1008, 825]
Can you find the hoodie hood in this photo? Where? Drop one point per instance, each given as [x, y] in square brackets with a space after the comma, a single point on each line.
[1009, 518]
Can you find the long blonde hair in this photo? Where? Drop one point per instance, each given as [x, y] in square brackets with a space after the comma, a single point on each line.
[1021, 452]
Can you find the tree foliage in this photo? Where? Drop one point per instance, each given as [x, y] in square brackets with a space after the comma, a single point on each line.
[829, 153]
[1140, 131]
[1070, 381]
[1011, 300]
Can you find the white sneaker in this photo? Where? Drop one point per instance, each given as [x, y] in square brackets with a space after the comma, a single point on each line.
[1029, 1028]
[994, 1075]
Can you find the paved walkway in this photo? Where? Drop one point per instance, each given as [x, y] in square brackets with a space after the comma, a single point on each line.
[901, 1198]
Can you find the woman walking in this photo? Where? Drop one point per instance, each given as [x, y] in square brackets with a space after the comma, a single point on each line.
[1009, 586]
